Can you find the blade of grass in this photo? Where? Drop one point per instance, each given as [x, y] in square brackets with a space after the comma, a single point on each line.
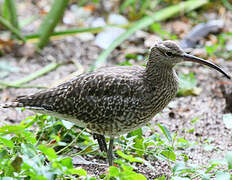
[49, 23]
[12, 29]
[4, 10]
[7, 85]
[30, 37]
[19, 83]
[10, 4]
[227, 4]
[67, 32]
[146, 21]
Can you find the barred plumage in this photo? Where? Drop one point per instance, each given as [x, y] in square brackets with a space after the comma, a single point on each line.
[115, 100]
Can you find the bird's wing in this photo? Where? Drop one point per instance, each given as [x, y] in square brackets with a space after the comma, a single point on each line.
[102, 93]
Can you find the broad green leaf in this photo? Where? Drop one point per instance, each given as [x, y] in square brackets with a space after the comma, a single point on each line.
[67, 162]
[49, 152]
[28, 150]
[80, 172]
[188, 84]
[227, 119]
[67, 124]
[137, 132]
[7, 142]
[177, 167]
[161, 178]
[114, 171]
[169, 154]
[136, 176]
[183, 143]
[128, 157]
[15, 129]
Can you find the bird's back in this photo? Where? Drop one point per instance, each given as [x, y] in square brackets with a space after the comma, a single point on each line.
[109, 101]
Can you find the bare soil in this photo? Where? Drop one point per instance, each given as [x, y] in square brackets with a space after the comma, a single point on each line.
[209, 106]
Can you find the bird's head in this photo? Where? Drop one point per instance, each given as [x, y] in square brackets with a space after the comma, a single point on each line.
[169, 53]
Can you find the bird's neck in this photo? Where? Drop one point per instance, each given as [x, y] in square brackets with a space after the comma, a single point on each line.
[160, 73]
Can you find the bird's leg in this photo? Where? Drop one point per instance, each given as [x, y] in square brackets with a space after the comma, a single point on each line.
[101, 142]
[110, 151]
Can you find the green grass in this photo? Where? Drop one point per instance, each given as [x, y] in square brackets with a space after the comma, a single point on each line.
[42, 146]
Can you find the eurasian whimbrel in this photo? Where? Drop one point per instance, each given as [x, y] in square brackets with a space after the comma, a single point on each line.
[115, 100]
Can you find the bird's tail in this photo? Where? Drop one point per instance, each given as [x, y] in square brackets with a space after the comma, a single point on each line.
[11, 104]
[20, 101]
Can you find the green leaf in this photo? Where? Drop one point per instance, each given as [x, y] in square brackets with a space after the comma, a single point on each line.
[195, 120]
[161, 178]
[49, 152]
[187, 85]
[227, 119]
[128, 157]
[183, 143]
[67, 162]
[169, 154]
[166, 132]
[12, 129]
[114, 171]
[67, 124]
[28, 150]
[139, 145]
[228, 158]
[136, 176]
[7, 142]
[137, 132]
[178, 167]
[80, 172]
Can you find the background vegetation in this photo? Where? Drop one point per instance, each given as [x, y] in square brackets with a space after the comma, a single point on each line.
[42, 147]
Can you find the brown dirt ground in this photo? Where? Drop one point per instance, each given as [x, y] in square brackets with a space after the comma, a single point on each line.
[208, 106]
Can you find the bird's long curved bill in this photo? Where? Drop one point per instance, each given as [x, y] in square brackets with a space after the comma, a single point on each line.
[188, 57]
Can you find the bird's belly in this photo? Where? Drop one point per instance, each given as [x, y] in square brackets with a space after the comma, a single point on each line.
[120, 125]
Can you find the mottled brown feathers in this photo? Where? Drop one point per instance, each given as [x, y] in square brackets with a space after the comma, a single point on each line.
[109, 101]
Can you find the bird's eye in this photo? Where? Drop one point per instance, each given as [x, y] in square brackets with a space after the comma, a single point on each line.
[170, 54]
